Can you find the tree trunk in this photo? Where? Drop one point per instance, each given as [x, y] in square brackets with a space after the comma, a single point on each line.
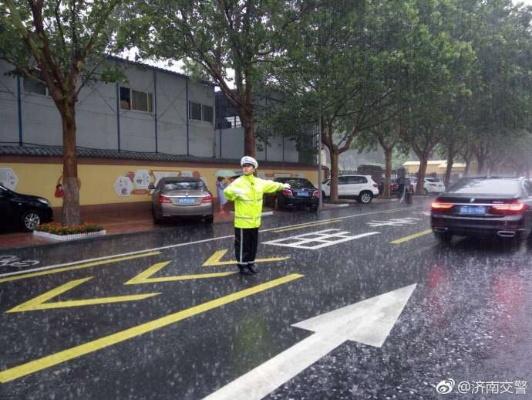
[334, 173]
[448, 170]
[387, 171]
[71, 211]
[480, 165]
[246, 114]
[423, 162]
[249, 136]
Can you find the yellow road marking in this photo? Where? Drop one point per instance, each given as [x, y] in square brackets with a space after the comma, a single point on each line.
[414, 236]
[145, 276]
[98, 344]
[76, 267]
[307, 225]
[214, 260]
[39, 302]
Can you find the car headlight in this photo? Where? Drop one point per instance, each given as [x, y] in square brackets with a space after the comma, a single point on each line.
[44, 201]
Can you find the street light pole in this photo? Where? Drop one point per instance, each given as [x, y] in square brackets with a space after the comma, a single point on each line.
[318, 145]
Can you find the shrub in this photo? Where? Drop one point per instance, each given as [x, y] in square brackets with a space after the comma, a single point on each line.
[56, 228]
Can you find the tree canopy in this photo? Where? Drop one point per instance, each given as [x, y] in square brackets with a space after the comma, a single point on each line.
[63, 43]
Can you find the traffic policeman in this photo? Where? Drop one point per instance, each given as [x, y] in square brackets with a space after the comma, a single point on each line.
[247, 193]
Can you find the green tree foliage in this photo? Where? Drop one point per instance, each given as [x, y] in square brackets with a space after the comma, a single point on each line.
[59, 44]
[332, 72]
[438, 69]
[501, 96]
[230, 42]
[384, 67]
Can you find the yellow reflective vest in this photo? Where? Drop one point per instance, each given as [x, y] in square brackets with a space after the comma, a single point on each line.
[247, 192]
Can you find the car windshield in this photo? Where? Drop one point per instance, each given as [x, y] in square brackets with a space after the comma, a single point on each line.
[432, 179]
[170, 186]
[485, 186]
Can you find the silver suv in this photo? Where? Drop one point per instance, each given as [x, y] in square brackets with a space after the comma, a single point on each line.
[431, 185]
[362, 187]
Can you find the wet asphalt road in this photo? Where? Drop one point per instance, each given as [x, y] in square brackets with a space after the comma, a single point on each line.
[163, 315]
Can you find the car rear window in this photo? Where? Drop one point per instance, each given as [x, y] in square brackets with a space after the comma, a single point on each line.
[298, 183]
[432, 179]
[169, 186]
[485, 186]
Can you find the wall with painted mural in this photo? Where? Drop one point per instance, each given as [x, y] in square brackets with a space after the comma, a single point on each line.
[115, 184]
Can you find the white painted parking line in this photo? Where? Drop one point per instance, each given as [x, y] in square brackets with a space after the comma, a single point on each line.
[318, 240]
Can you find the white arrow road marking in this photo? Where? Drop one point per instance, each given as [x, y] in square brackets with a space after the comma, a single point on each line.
[369, 321]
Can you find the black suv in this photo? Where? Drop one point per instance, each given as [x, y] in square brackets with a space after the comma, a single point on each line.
[23, 210]
[484, 206]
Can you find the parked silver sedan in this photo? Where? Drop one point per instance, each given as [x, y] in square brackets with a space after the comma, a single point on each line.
[182, 197]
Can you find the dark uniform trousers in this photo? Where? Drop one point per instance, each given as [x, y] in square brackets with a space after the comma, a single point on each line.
[246, 242]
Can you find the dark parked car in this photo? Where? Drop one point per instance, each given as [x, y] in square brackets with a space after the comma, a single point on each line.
[484, 206]
[182, 197]
[23, 211]
[302, 193]
[394, 187]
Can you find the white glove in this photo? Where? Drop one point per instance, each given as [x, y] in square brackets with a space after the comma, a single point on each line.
[238, 192]
[286, 186]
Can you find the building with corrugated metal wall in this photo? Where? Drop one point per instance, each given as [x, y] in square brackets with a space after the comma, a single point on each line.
[155, 123]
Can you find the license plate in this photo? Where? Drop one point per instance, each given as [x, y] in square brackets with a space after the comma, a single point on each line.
[472, 210]
[187, 201]
[302, 194]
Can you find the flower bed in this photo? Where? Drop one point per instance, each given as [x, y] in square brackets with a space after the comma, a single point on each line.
[56, 231]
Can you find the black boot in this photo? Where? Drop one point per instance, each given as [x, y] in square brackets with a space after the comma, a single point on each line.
[244, 270]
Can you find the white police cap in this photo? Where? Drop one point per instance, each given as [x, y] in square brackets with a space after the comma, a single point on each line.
[249, 160]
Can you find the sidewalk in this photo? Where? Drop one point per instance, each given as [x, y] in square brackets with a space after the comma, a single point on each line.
[113, 225]
[124, 224]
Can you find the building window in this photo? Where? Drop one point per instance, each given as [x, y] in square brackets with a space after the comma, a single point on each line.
[142, 101]
[194, 111]
[200, 112]
[207, 114]
[31, 86]
[234, 121]
[135, 100]
[125, 98]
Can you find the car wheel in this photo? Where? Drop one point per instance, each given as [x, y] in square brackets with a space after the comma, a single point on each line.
[156, 219]
[443, 237]
[365, 197]
[209, 219]
[30, 220]
[323, 196]
[314, 209]
[425, 192]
